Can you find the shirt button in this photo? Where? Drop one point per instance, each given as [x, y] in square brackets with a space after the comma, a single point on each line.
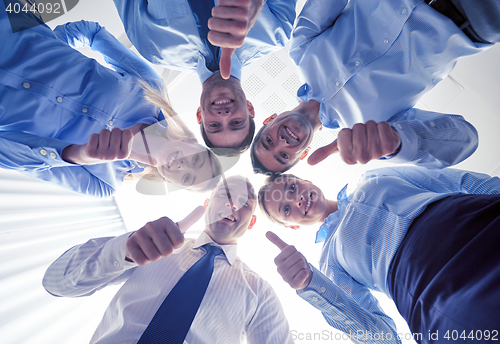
[322, 290]
[110, 122]
[399, 126]
[43, 152]
[26, 85]
[314, 299]
[347, 322]
[337, 83]
[53, 155]
[403, 11]
[85, 110]
[357, 63]
[116, 264]
[323, 99]
[432, 124]
[201, 57]
[386, 41]
[59, 99]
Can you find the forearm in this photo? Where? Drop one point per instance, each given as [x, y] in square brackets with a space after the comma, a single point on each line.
[342, 313]
[86, 268]
[433, 140]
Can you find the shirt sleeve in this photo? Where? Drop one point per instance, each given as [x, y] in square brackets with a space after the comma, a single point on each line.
[433, 140]
[284, 11]
[316, 17]
[91, 34]
[351, 309]
[269, 324]
[86, 268]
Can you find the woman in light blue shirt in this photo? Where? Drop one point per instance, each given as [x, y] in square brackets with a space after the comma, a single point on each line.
[426, 238]
[53, 99]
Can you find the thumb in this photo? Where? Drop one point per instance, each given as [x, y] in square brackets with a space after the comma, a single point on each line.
[276, 240]
[191, 219]
[322, 153]
[225, 62]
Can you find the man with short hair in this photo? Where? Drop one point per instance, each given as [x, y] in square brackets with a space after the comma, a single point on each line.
[366, 63]
[237, 302]
[175, 34]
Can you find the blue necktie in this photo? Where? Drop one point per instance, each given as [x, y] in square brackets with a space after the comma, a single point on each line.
[173, 319]
[202, 11]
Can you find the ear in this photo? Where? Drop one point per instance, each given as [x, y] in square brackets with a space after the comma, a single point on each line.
[198, 115]
[270, 118]
[294, 227]
[207, 201]
[251, 109]
[305, 153]
[252, 222]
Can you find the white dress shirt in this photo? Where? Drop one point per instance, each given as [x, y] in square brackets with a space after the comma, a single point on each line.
[238, 303]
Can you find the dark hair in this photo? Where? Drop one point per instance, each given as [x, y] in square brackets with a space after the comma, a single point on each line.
[262, 193]
[226, 151]
[257, 165]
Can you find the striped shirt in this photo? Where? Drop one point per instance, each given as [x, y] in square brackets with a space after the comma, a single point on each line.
[238, 303]
[363, 235]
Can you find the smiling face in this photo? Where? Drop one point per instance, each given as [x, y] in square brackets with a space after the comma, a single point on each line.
[188, 165]
[294, 201]
[283, 141]
[230, 210]
[224, 111]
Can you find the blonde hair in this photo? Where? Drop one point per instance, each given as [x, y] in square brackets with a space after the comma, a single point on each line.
[155, 92]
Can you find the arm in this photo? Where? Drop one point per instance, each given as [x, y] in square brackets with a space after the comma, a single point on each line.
[346, 305]
[316, 17]
[84, 269]
[350, 308]
[433, 140]
[83, 33]
[269, 324]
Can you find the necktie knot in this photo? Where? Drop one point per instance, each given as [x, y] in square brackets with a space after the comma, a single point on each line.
[216, 250]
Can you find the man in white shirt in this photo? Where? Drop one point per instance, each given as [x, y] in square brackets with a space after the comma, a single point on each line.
[237, 303]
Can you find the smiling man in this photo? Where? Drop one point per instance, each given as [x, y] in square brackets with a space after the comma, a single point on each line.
[199, 37]
[156, 260]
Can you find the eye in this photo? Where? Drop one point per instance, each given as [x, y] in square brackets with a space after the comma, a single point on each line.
[284, 155]
[269, 141]
[286, 210]
[196, 158]
[185, 179]
[214, 125]
[236, 122]
[292, 188]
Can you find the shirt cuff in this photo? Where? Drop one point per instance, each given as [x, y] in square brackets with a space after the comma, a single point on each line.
[50, 153]
[409, 143]
[115, 250]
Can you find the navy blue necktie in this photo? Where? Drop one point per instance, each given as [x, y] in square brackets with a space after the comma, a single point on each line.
[173, 319]
[202, 11]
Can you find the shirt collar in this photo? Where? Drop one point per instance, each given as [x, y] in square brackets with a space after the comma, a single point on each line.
[204, 73]
[330, 224]
[230, 251]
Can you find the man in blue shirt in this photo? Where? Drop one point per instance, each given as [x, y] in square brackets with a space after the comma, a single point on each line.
[377, 59]
[173, 34]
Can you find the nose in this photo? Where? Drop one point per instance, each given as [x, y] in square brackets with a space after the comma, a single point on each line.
[300, 201]
[231, 204]
[224, 111]
[283, 140]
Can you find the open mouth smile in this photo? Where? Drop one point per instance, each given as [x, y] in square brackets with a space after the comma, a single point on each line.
[309, 204]
[172, 159]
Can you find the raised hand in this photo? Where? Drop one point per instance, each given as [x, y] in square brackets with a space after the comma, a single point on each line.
[159, 238]
[102, 147]
[231, 20]
[292, 265]
[362, 143]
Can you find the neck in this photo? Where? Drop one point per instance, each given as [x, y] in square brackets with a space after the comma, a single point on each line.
[331, 207]
[310, 110]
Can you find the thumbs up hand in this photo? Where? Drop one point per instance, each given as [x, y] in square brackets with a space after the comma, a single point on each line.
[159, 238]
[292, 265]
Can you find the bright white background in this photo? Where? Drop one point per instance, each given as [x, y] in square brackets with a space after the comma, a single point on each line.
[472, 91]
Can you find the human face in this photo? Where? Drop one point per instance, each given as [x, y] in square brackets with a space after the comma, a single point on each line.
[187, 165]
[224, 112]
[229, 211]
[283, 140]
[295, 201]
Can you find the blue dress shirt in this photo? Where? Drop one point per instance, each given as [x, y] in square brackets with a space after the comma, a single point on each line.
[372, 60]
[52, 96]
[363, 235]
[165, 33]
